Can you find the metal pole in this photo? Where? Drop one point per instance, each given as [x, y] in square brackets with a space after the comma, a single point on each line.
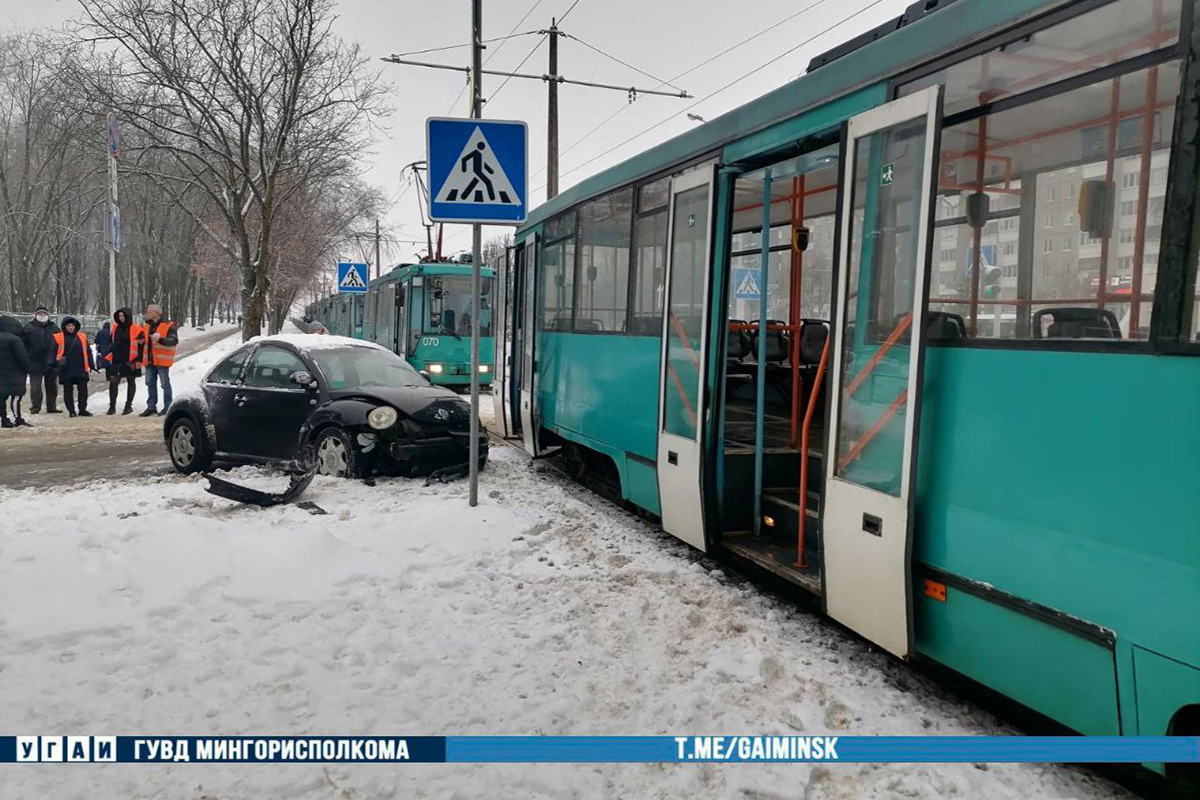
[476, 248]
[764, 267]
[112, 245]
[378, 266]
[552, 116]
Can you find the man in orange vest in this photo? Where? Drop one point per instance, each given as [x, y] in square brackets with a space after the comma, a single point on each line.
[162, 337]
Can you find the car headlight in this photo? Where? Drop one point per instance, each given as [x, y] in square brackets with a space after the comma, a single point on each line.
[485, 368]
[436, 369]
[382, 417]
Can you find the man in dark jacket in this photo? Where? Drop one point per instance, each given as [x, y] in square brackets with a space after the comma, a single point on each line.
[14, 366]
[39, 346]
[73, 357]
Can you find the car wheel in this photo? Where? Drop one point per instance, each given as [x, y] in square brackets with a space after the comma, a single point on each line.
[186, 446]
[336, 454]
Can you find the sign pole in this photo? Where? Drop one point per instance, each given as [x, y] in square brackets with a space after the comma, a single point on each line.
[113, 233]
[476, 253]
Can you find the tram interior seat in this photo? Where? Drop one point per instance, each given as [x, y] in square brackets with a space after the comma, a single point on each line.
[1076, 323]
[737, 347]
[944, 325]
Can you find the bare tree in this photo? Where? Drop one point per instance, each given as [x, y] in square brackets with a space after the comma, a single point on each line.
[252, 100]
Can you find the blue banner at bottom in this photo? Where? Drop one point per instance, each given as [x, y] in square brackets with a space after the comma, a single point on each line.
[598, 749]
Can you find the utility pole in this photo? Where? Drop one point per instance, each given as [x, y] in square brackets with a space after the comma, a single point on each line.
[378, 267]
[114, 210]
[476, 248]
[552, 115]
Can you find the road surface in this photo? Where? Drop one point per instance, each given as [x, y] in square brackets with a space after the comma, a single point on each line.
[61, 451]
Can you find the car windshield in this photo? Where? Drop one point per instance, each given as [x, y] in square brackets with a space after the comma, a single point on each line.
[450, 306]
[354, 367]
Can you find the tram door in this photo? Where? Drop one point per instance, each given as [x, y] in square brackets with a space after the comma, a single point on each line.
[502, 329]
[681, 406]
[879, 341]
[530, 414]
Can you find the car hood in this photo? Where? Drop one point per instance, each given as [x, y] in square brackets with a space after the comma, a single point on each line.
[422, 403]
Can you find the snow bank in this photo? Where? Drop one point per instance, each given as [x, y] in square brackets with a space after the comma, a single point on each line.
[151, 606]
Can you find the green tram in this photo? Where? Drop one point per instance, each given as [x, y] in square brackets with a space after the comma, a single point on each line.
[421, 312]
[930, 345]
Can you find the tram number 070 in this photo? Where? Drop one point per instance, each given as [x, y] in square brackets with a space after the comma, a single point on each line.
[429, 341]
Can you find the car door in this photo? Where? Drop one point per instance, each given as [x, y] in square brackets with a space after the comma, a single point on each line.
[219, 388]
[268, 409]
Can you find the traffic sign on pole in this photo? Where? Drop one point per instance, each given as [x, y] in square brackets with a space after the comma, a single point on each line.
[114, 136]
[478, 170]
[351, 278]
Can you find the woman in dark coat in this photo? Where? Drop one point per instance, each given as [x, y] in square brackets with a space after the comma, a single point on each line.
[123, 359]
[73, 358]
[14, 367]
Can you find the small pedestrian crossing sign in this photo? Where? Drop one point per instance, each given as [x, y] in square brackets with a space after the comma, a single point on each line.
[887, 175]
[477, 170]
[351, 278]
[745, 284]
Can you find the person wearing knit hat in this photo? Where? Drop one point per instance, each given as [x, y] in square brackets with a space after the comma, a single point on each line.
[162, 336]
[38, 334]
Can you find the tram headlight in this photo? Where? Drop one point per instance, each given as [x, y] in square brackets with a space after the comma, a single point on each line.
[382, 418]
[485, 368]
[436, 369]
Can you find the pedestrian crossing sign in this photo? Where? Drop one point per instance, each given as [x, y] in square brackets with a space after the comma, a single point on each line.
[477, 170]
[745, 284]
[351, 278]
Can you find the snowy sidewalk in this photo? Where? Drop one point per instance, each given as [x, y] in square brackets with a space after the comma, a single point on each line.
[149, 606]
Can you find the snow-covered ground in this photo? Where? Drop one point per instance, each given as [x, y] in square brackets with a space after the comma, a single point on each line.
[150, 606]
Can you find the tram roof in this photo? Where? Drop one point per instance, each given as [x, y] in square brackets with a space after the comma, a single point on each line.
[912, 40]
[432, 268]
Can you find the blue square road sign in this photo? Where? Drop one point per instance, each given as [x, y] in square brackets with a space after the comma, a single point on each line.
[351, 278]
[478, 170]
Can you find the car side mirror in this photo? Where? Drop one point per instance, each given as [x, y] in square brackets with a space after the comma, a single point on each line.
[303, 378]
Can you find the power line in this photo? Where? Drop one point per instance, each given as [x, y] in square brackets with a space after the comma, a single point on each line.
[689, 71]
[733, 82]
[500, 39]
[492, 54]
[567, 12]
[528, 56]
[611, 57]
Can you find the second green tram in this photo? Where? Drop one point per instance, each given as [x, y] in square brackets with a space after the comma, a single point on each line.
[421, 312]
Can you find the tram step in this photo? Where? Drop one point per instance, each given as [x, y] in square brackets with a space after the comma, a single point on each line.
[786, 498]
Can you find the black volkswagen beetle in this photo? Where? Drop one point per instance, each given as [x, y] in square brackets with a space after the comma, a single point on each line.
[353, 407]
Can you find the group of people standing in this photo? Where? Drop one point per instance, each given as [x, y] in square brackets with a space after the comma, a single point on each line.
[51, 355]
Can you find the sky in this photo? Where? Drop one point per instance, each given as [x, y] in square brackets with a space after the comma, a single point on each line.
[661, 38]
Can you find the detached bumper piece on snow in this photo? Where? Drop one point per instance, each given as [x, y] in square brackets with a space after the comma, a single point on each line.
[254, 497]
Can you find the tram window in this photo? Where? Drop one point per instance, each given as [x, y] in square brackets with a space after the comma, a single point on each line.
[450, 306]
[649, 272]
[1098, 38]
[1092, 143]
[603, 279]
[557, 269]
[653, 196]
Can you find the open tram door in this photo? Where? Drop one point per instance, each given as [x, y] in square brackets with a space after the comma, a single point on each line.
[877, 359]
[681, 405]
[504, 328]
[525, 348]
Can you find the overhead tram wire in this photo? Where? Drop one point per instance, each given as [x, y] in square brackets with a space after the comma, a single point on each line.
[732, 83]
[690, 70]
[611, 57]
[528, 56]
[493, 53]
[505, 38]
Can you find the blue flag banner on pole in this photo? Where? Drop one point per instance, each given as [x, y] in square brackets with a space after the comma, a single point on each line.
[600, 749]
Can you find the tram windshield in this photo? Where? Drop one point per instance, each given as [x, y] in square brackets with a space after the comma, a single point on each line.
[450, 306]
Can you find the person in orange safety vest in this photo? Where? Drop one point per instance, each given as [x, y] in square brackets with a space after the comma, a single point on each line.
[162, 336]
[74, 364]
